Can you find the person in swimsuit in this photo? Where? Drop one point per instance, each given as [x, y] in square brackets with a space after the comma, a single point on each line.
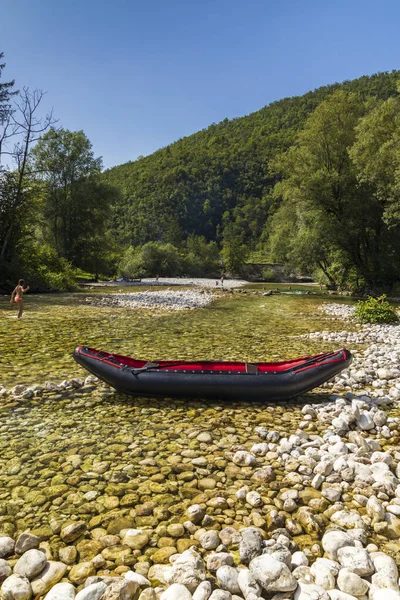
[16, 296]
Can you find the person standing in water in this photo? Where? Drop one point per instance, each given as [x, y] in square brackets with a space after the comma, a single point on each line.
[16, 296]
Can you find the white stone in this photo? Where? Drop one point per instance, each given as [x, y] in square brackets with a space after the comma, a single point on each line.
[221, 595]
[365, 422]
[323, 576]
[310, 591]
[161, 573]
[241, 494]
[248, 584]
[176, 591]
[5, 569]
[227, 577]
[133, 576]
[333, 540]
[244, 459]
[188, 569]
[386, 572]
[31, 563]
[260, 449]
[92, 592]
[356, 560]
[375, 509]
[376, 593]
[352, 584]
[195, 513]
[338, 595]
[203, 591]
[299, 559]
[210, 540]
[254, 499]
[7, 546]
[16, 587]
[272, 574]
[348, 519]
[61, 591]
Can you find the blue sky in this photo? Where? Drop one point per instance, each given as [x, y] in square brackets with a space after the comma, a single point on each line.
[136, 76]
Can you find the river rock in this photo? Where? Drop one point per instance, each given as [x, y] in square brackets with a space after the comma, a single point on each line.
[247, 584]
[61, 591]
[51, 574]
[7, 546]
[230, 537]
[250, 544]
[357, 560]
[160, 574]
[348, 519]
[244, 459]
[26, 541]
[92, 592]
[195, 513]
[71, 532]
[120, 589]
[203, 591]
[210, 540]
[188, 569]
[176, 591]
[31, 563]
[333, 540]
[323, 575]
[352, 584]
[227, 577]
[5, 569]
[135, 539]
[140, 579]
[16, 587]
[272, 575]
[310, 591]
[386, 573]
[219, 559]
[80, 572]
[338, 595]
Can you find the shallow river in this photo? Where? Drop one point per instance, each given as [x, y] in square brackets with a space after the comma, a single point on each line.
[99, 456]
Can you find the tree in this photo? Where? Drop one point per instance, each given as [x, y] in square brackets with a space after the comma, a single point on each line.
[6, 93]
[25, 126]
[376, 155]
[321, 185]
[77, 204]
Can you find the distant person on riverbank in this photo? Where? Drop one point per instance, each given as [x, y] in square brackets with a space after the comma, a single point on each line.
[16, 296]
[222, 280]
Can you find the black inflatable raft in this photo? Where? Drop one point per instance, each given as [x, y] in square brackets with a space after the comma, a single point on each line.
[212, 379]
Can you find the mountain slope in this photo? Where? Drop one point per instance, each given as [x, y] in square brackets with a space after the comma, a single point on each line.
[202, 182]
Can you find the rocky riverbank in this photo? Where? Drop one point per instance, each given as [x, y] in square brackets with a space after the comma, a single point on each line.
[286, 501]
[164, 299]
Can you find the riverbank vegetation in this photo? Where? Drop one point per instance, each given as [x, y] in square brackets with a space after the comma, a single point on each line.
[310, 182]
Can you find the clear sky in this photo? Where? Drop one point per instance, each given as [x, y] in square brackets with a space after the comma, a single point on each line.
[136, 76]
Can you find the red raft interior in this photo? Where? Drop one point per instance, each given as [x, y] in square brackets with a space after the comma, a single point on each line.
[298, 364]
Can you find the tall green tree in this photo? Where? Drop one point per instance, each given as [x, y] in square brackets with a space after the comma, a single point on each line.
[376, 155]
[330, 206]
[77, 204]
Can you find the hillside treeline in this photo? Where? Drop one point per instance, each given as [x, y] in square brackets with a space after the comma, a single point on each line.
[311, 182]
[292, 182]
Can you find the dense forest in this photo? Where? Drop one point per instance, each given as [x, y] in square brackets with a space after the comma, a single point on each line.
[311, 182]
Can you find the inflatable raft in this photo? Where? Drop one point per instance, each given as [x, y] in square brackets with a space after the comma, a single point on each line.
[271, 381]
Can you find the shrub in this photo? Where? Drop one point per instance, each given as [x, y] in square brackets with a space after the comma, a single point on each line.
[375, 310]
[269, 274]
[154, 258]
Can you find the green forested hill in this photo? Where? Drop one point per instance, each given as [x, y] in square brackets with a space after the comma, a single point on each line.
[217, 182]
